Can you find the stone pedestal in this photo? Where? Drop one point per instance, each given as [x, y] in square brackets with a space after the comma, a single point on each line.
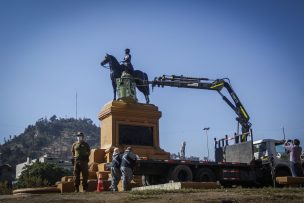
[131, 124]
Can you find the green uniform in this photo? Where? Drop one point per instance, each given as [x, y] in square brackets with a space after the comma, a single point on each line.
[81, 153]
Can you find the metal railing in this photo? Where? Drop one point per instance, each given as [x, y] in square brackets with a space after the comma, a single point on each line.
[238, 138]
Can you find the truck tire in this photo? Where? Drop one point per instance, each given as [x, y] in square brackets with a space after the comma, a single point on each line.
[204, 175]
[181, 173]
[282, 172]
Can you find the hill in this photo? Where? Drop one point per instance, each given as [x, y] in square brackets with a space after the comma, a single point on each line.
[52, 136]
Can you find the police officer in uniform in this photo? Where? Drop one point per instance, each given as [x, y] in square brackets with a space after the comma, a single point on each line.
[115, 169]
[127, 62]
[81, 153]
[127, 165]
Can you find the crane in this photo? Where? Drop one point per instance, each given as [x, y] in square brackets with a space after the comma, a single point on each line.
[216, 85]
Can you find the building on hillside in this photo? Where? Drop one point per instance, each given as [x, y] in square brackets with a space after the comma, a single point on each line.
[66, 164]
[21, 167]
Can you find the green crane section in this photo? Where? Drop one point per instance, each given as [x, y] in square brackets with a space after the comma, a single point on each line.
[216, 85]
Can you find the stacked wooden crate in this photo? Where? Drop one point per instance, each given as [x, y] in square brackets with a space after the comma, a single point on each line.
[291, 181]
[96, 157]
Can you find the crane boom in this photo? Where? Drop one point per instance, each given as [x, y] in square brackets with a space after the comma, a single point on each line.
[205, 83]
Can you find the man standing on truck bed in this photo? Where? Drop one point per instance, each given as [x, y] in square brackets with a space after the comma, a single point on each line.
[81, 153]
[295, 157]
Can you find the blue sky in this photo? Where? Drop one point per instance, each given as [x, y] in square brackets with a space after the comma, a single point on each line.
[52, 49]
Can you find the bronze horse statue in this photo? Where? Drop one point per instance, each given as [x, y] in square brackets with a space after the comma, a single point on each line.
[116, 69]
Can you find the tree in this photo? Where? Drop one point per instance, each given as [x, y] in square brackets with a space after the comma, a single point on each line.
[40, 174]
[53, 118]
[52, 136]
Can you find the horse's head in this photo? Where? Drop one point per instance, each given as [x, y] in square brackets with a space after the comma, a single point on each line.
[111, 60]
[106, 60]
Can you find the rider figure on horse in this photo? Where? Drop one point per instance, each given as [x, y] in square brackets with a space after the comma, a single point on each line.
[127, 62]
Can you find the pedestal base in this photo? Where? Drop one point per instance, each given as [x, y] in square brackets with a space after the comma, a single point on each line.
[131, 124]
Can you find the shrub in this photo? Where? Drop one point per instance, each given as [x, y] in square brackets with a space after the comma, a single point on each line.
[5, 189]
[40, 175]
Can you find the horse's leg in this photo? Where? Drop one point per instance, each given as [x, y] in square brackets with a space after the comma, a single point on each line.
[141, 80]
[114, 89]
[147, 99]
[146, 87]
[146, 92]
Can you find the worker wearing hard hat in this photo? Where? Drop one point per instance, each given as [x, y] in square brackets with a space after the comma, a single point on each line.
[81, 153]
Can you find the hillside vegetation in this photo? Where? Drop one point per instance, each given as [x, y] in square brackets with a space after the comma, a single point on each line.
[52, 136]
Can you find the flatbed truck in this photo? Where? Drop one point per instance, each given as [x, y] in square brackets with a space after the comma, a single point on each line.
[242, 162]
[270, 160]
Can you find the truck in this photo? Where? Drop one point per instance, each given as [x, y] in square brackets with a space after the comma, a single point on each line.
[238, 159]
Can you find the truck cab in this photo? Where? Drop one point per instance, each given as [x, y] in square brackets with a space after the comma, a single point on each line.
[270, 149]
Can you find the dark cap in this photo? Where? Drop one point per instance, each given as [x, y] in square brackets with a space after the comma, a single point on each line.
[296, 142]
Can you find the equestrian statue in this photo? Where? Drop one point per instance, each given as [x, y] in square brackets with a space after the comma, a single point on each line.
[116, 70]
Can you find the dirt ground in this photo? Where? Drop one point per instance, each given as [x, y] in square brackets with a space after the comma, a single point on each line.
[185, 196]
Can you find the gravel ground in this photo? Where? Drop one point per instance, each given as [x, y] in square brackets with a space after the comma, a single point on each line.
[185, 196]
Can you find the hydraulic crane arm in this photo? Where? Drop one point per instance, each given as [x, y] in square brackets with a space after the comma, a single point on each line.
[205, 83]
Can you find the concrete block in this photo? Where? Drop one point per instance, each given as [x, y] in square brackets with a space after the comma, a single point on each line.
[180, 185]
[92, 186]
[66, 178]
[66, 187]
[92, 175]
[97, 156]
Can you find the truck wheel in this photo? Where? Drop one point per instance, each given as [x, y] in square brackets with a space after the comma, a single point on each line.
[282, 172]
[181, 173]
[205, 175]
